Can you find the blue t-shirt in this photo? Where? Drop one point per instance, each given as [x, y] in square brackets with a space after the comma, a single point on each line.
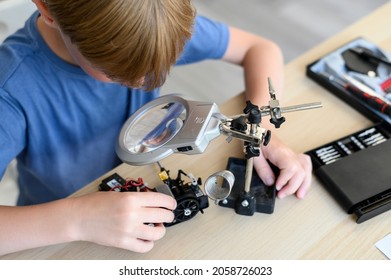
[60, 123]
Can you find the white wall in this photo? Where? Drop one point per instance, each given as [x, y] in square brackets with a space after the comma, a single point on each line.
[13, 13]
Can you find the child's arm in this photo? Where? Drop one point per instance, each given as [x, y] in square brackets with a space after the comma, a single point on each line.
[260, 59]
[107, 218]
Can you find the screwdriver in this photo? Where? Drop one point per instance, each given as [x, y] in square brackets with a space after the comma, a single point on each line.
[373, 101]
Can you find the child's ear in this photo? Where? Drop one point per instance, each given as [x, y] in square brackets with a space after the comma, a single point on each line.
[44, 11]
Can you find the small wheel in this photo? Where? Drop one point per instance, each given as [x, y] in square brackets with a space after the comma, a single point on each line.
[186, 209]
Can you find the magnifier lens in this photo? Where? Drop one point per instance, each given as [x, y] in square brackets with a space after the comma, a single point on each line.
[155, 128]
[218, 186]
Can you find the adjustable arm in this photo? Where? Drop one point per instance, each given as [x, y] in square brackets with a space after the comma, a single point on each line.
[247, 126]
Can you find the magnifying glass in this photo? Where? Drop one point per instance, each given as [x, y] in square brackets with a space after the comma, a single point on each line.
[218, 186]
[172, 124]
[166, 125]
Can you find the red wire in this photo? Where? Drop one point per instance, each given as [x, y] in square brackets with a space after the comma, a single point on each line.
[129, 184]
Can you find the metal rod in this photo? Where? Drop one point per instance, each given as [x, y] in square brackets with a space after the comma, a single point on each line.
[301, 107]
[249, 174]
[265, 110]
[271, 88]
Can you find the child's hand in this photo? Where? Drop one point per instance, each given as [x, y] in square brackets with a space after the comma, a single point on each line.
[123, 219]
[295, 169]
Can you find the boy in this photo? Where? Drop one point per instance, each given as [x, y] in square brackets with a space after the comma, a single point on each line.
[69, 80]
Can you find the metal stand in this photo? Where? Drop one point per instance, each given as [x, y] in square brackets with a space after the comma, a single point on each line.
[249, 194]
[253, 196]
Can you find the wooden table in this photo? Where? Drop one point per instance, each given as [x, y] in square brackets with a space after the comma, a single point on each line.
[313, 228]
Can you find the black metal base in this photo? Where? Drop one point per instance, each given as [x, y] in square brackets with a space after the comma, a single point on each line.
[261, 198]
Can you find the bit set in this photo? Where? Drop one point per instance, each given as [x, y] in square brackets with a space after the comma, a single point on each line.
[350, 144]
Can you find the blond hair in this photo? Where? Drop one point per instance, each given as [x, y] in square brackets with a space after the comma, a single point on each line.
[127, 39]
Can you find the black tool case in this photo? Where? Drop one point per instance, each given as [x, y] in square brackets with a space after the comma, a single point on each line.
[355, 169]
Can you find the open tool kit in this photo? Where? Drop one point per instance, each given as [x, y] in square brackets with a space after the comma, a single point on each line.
[355, 168]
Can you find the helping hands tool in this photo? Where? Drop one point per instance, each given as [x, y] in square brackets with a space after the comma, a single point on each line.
[171, 124]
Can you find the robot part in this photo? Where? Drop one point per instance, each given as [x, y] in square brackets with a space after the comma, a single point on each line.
[189, 196]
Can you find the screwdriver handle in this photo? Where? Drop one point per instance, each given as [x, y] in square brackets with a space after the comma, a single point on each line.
[372, 101]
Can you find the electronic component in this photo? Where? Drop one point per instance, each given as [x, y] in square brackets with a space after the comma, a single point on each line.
[118, 184]
[189, 196]
[113, 182]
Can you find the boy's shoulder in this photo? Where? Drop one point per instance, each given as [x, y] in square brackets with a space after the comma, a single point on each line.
[15, 49]
[210, 40]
